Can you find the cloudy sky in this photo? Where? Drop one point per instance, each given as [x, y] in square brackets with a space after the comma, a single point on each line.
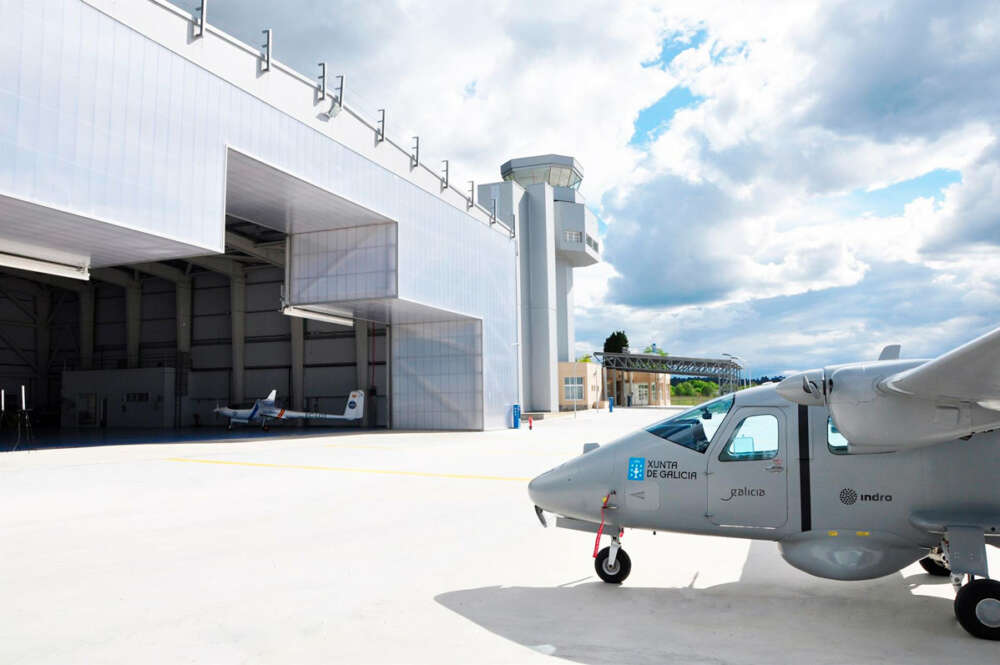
[795, 184]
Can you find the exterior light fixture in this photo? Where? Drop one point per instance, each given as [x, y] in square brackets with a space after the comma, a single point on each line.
[47, 267]
[306, 313]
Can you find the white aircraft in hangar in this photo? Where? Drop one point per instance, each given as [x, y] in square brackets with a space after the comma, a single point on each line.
[264, 410]
[855, 470]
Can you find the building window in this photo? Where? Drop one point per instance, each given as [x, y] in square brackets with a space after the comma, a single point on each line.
[593, 243]
[573, 388]
[137, 397]
[573, 236]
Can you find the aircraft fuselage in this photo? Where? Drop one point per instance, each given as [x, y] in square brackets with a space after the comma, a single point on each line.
[837, 515]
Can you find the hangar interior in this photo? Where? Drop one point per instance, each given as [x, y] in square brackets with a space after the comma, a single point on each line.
[152, 344]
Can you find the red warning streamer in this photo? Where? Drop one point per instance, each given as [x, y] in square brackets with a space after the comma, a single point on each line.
[600, 529]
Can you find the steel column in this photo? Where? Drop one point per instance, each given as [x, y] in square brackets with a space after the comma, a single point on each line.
[43, 342]
[86, 296]
[297, 325]
[237, 313]
[133, 322]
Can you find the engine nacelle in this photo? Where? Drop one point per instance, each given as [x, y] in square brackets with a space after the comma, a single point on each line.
[874, 418]
[838, 555]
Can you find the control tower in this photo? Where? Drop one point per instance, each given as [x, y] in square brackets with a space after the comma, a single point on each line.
[556, 233]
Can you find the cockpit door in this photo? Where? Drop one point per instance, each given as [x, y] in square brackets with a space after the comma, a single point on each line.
[748, 470]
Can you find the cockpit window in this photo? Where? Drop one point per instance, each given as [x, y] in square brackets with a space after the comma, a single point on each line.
[835, 441]
[694, 428]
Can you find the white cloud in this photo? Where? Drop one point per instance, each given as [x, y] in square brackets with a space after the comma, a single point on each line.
[722, 232]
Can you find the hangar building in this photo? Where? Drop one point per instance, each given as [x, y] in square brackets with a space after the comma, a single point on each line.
[185, 221]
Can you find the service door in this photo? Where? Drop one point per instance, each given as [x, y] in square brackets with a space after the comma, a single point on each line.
[86, 410]
[748, 470]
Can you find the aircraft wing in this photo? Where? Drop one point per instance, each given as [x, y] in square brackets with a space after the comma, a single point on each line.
[902, 404]
[353, 410]
[286, 414]
[968, 373]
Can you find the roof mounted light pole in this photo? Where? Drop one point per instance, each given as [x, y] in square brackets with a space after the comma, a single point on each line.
[337, 104]
[380, 130]
[415, 156]
[444, 180]
[471, 199]
[322, 81]
[265, 65]
[199, 26]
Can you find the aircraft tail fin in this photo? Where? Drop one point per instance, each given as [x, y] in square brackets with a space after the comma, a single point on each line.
[890, 352]
[271, 396]
[355, 408]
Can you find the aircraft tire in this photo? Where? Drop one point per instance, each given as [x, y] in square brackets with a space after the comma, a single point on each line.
[934, 568]
[622, 567]
[977, 607]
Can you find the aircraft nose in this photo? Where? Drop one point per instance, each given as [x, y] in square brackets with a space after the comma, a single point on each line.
[544, 489]
[575, 489]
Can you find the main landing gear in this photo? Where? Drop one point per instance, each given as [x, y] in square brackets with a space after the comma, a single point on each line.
[977, 607]
[612, 563]
[977, 601]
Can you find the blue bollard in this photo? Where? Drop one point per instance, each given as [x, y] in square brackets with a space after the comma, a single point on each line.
[611, 405]
[517, 416]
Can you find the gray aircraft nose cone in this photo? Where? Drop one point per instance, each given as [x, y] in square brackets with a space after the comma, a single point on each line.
[575, 489]
[544, 490]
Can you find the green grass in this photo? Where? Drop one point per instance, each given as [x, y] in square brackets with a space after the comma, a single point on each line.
[688, 400]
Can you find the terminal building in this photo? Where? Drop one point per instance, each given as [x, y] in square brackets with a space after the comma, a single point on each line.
[187, 222]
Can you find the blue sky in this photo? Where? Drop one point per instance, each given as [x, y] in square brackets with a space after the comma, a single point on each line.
[891, 200]
[675, 44]
[654, 119]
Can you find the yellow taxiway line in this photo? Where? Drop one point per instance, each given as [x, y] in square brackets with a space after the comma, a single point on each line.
[384, 472]
[504, 453]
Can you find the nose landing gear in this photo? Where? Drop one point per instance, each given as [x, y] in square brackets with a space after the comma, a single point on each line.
[612, 563]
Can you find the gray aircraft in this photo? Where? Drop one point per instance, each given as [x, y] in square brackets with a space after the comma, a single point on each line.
[855, 470]
[264, 411]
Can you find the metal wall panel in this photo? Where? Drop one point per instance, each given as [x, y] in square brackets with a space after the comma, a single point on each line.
[266, 323]
[343, 264]
[330, 381]
[339, 349]
[268, 354]
[209, 327]
[211, 356]
[259, 382]
[437, 375]
[97, 119]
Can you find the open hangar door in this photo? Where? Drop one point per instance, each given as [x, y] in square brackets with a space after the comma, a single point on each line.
[160, 345]
[38, 336]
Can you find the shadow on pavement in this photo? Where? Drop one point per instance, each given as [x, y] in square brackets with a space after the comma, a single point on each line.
[759, 619]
